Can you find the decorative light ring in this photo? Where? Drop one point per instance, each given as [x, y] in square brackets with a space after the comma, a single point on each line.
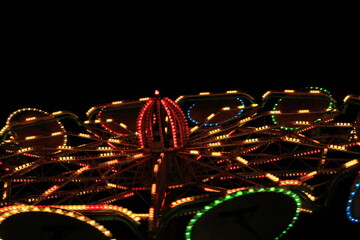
[213, 205]
[352, 200]
[218, 123]
[103, 207]
[331, 105]
[7, 212]
[33, 120]
[115, 124]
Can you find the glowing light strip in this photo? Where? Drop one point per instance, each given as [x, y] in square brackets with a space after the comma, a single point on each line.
[13, 210]
[31, 119]
[212, 115]
[312, 90]
[350, 203]
[207, 208]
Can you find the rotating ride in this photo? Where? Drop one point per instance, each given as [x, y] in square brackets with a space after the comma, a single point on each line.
[203, 167]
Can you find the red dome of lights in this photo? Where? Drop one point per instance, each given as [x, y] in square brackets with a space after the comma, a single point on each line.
[161, 125]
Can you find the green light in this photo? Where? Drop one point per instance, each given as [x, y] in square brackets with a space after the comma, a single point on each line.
[331, 105]
[228, 197]
[240, 193]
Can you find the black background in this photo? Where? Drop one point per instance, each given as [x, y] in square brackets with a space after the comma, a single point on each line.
[71, 55]
[74, 54]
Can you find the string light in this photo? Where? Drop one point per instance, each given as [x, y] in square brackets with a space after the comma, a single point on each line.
[350, 202]
[18, 209]
[235, 147]
[192, 223]
[212, 115]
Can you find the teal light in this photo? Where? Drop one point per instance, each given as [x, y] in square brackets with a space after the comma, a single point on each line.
[228, 197]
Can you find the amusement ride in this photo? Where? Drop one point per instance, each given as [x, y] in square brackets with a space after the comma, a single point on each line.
[208, 166]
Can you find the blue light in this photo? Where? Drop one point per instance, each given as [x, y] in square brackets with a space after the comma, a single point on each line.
[215, 124]
[350, 203]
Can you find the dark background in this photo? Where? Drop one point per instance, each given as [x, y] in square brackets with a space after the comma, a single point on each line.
[75, 54]
[71, 55]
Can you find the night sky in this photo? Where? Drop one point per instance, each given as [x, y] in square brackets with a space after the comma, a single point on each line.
[72, 55]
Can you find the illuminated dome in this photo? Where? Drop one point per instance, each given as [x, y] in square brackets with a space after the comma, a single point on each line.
[161, 125]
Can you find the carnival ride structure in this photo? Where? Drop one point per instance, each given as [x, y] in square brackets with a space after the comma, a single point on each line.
[202, 167]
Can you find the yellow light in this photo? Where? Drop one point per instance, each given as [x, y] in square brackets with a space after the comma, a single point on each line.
[30, 119]
[272, 177]
[179, 98]
[262, 128]
[337, 147]
[113, 140]
[343, 124]
[290, 182]
[116, 102]
[194, 129]
[305, 210]
[106, 154]
[274, 112]
[211, 189]
[139, 155]
[51, 190]
[210, 116]
[351, 163]
[245, 120]
[214, 131]
[195, 152]
[222, 136]
[57, 113]
[242, 160]
[81, 170]
[214, 144]
[84, 135]
[68, 158]
[302, 122]
[251, 140]
[56, 133]
[309, 175]
[304, 111]
[266, 94]
[310, 196]
[347, 98]
[22, 150]
[30, 137]
[91, 110]
[153, 188]
[216, 154]
[292, 139]
[156, 168]
[151, 213]
[231, 91]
